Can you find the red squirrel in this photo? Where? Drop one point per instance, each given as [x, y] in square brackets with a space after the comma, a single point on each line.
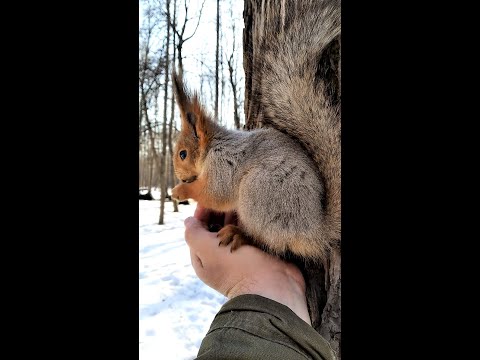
[263, 175]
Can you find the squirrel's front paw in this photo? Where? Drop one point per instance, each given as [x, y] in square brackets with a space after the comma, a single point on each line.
[178, 193]
[233, 234]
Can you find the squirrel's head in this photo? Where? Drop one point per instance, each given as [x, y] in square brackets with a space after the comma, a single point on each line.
[196, 131]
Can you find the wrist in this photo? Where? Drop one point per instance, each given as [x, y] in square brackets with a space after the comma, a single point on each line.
[284, 285]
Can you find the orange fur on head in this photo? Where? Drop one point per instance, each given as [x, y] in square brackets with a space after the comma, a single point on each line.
[196, 132]
[205, 126]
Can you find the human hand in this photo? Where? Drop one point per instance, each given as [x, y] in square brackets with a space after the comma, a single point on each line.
[247, 270]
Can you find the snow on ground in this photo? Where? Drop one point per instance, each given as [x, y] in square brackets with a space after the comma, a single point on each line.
[176, 308]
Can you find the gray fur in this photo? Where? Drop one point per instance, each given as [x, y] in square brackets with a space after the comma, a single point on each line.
[272, 184]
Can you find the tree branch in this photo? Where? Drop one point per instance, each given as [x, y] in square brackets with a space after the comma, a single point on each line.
[198, 22]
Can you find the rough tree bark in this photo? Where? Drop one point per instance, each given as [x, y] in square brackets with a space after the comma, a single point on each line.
[259, 14]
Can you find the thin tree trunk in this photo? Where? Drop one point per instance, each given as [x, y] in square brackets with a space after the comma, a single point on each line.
[172, 115]
[140, 118]
[150, 177]
[140, 169]
[233, 83]
[233, 73]
[179, 56]
[217, 61]
[150, 133]
[149, 125]
[163, 173]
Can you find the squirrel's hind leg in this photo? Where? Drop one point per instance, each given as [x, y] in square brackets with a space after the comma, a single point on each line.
[234, 235]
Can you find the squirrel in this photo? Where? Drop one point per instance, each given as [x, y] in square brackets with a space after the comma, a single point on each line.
[282, 180]
[262, 175]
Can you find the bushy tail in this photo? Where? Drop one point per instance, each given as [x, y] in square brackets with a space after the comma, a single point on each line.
[295, 80]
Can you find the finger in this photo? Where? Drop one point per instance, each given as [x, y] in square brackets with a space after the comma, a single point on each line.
[197, 236]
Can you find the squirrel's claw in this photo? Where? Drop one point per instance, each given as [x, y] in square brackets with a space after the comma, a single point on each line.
[232, 234]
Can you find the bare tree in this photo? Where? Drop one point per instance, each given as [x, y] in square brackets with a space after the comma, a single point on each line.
[217, 60]
[150, 70]
[180, 32]
[163, 164]
[179, 39]
[172, 114]
[232, 69]
[233, 84]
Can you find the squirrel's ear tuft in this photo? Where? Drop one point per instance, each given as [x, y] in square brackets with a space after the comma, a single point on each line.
[191, 119]
[184, 103]
[194, 118]
[180, 92]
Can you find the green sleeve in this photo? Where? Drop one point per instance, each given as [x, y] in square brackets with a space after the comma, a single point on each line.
[254, 327]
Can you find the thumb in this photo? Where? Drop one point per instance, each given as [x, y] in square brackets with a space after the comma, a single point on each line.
[190, 222]
[192, 225]
[195, 233]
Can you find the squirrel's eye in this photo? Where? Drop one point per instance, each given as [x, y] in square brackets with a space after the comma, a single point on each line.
[183, 154]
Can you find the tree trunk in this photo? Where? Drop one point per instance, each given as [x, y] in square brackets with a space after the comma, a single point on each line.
[217, 60]
[163, 172]
[179, 56]
[140, 118]
[233, 73]
[150, 131]
[272, 22]
[172, 113]
[150, 175]
[233, 84]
